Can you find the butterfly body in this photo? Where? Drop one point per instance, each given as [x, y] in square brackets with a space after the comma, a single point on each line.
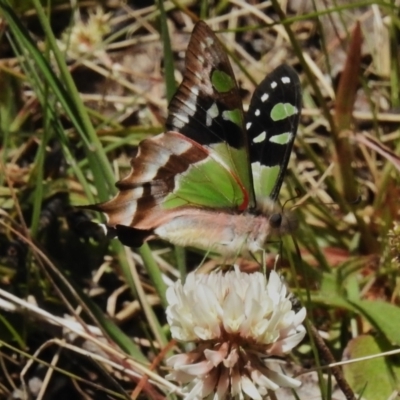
[224, 233]
[212, 179]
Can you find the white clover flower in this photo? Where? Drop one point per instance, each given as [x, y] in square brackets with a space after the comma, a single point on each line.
[86, 36]
[237, 320]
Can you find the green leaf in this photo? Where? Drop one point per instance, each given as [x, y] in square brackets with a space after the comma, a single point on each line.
[168, 56]
[383, 316]
[370, 379]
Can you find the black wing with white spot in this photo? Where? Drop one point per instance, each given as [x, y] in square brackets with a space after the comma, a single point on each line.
[271, 124]
[208, 94]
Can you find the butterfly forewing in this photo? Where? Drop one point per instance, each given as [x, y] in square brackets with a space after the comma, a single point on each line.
[207, 107]
[271, 124]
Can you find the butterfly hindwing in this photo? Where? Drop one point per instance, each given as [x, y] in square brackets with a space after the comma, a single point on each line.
[271, 124]
[170, 171]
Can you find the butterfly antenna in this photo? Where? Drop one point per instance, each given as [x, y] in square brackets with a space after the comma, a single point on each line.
[332, 203]
[297, 196]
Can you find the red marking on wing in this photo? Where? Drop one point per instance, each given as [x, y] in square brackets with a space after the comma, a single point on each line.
[246, 199]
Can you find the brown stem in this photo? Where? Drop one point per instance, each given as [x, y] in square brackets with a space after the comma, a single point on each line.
[328, 357]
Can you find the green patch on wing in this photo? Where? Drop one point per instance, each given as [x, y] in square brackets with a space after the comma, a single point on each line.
[260, 138]
[234, 116]
[238, 161]
[206, 184]
[264, 179]
[222, 82]
[283, 138]
[281, 111]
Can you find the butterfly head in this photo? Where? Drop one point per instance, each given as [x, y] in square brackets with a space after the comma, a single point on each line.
[275, 220]
[280, 220]
[283, 222]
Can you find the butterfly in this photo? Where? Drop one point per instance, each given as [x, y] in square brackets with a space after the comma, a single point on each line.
[211, 181]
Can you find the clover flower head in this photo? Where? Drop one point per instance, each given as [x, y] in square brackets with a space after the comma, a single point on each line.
[237, 321]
